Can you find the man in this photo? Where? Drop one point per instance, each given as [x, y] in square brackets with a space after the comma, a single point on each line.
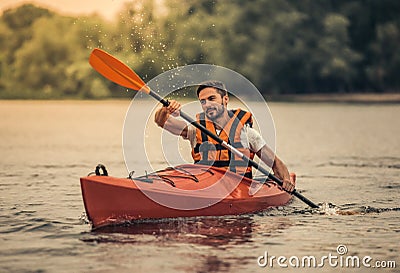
[235, 127]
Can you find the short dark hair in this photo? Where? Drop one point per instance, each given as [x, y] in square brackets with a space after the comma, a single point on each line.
[219, 86]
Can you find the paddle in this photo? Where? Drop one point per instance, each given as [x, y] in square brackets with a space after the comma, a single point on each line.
[119, 73]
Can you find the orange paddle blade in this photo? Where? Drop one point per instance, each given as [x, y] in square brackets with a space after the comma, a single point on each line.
[116, 71]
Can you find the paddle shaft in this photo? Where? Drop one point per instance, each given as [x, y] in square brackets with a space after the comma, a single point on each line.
[234, 150]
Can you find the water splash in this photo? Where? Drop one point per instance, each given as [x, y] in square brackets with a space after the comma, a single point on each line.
[328, 209]
[83, 219]
[332, 209]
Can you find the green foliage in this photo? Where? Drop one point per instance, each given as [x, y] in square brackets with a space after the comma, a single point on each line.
[386, 55]
[285, 46]
[338, 61]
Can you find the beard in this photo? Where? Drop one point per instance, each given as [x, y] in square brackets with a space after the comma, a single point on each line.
[215, 112]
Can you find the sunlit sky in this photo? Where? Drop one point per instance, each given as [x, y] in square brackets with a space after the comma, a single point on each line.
[106, 8]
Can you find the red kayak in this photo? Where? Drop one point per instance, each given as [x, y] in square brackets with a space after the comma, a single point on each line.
[183, 191]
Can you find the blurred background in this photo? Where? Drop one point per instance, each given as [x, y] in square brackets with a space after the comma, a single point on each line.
[61, 124]
[286, 47]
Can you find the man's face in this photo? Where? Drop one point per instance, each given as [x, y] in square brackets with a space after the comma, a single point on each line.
[212, 103]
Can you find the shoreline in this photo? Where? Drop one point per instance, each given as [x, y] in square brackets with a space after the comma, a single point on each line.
[338, 98]
[384, 98]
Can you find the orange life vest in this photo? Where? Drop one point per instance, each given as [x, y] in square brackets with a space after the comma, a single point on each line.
[207, 151]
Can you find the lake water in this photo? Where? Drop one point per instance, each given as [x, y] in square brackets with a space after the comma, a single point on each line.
[345, 154]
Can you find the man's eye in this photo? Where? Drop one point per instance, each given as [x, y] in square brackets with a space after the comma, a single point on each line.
[203, 101]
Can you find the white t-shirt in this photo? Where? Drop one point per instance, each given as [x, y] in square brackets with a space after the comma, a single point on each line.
[249, 137]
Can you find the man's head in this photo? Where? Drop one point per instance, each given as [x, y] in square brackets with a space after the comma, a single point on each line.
[214, 98]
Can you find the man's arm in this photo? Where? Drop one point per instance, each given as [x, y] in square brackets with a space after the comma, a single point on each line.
[279, 168]
[259, 146]
[164, 119]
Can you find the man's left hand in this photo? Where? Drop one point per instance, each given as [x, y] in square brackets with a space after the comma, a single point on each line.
[288, 185]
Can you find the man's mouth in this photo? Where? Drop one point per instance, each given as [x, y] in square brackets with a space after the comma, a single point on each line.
[210, 110]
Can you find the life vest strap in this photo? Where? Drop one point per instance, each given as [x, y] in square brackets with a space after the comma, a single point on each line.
[223, 163]
[218, 147]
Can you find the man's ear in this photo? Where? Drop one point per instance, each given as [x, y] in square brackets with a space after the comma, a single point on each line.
[225, 99]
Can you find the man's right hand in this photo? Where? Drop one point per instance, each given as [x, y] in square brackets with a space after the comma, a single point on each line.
[173, 108]
[162, 114]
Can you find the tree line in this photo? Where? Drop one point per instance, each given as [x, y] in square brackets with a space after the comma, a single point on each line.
[283, 47]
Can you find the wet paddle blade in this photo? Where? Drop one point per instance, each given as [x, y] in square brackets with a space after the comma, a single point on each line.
[116, 71]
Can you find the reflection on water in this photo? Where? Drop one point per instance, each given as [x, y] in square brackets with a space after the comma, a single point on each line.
[347, 155]
[210, 231]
